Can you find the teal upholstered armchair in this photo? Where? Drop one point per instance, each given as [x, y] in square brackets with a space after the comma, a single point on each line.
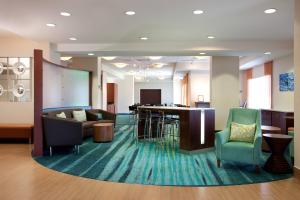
[244, 152]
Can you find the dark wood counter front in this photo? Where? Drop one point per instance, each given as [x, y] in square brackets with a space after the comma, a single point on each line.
[197, 125]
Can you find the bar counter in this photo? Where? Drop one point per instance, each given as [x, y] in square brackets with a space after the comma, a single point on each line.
[197, 125]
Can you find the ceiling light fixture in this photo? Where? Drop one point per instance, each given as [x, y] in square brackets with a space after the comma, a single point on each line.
[159, 65]
[268, 53]
[198, 12]
[270, 11]
[72, 38]
[202, 53]
[120, 65]
[130, 13]
[51, 25]
[131, 72]
[65, 58]
[65, 14]
[91, 54]
[109, 58]
[211, 37]
[144, 38]
[155, 57]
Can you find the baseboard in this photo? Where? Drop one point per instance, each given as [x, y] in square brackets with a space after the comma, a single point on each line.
[296, 172]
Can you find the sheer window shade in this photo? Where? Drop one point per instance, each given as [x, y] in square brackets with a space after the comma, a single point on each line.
[259, 92]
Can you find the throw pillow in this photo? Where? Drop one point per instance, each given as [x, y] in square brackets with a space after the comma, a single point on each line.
[79, 115]
[242, 132]
[61, 115]
[99, 116]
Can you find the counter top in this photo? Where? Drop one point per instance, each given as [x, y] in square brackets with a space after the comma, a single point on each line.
[174, 108]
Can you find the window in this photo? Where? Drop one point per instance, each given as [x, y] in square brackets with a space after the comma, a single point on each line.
[259, 92]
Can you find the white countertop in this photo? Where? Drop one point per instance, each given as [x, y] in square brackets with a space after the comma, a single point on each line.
[174, 108]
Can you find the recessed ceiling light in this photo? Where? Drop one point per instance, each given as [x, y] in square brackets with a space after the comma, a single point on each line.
[159, 65]
[268, 53]
[91, 54]
[198, 12]
[66, 14]
[155, 57]
[270, 11]
[120, 65]
[143, 38]
[51, 25]
[109, 58]
[130, 12]
[65, 58]
[72, 38]
[131, 72]
[202, 53]
[211, 37]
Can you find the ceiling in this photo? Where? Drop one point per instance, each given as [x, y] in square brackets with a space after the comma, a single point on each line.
[145, 69]
[241, 27]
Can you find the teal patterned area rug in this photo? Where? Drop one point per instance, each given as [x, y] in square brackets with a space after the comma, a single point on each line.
[147, 163]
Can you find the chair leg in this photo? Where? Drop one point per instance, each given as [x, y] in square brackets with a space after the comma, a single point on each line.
[257, 169]
[218, 163]
[76, 149]
[50, 150]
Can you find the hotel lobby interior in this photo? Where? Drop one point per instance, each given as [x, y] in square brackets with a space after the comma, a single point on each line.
[164, 99]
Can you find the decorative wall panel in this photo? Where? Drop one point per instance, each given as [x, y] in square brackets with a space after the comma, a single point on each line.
[15, 79]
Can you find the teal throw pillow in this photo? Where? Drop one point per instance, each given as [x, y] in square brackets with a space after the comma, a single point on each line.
[99, 116]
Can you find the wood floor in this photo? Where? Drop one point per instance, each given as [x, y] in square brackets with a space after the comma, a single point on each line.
[22, 178]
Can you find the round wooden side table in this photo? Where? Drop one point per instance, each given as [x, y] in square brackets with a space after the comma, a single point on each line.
[103, 132]
[268, 129]
[277, 162]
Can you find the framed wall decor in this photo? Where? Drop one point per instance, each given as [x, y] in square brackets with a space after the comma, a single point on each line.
[286, 82]
[15, 79]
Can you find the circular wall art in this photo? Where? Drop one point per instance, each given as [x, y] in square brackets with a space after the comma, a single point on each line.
[1, 90]
[19, 90]
[1, 68]
[19, 68]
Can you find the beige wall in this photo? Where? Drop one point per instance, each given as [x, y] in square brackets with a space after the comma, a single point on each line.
[19, 47]
[297, 89]
[282, 100]
[200, 85]
[224, 87]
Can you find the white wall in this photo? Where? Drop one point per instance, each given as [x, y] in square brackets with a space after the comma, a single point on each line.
[125, 93]
[282, 100]
[165, 86]
[15, 46]
[90, 63]
[224, 87]
[297, 85]
[177, 92]
[199, 85]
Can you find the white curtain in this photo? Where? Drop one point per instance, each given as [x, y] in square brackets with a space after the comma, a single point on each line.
[259, 92]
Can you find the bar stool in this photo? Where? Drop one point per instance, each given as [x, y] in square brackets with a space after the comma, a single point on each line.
[151, 118]
[175, 128]
[166, 127]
